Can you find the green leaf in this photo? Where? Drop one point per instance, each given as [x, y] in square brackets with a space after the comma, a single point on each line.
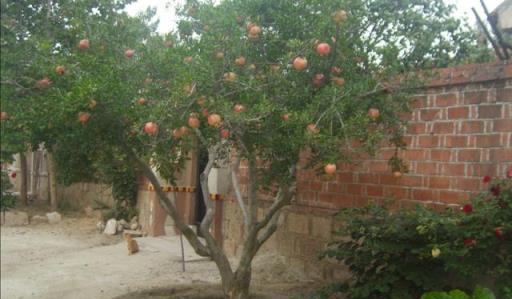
[483, 293]
[458, 294]
[436, 295]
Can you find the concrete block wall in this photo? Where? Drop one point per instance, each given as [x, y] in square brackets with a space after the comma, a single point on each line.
[460, 129]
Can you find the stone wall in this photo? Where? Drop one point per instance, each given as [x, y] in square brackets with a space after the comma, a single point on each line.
[460, 130]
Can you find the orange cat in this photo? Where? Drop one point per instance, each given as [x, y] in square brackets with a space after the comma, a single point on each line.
[132, 245]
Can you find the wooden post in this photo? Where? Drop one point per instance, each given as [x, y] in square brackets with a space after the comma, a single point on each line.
[34, 171]
[23, 177]
[52, 172]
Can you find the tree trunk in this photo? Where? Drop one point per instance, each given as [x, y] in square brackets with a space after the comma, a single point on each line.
[34, 173]
[238, 287]
[23, 177]
[52, 180]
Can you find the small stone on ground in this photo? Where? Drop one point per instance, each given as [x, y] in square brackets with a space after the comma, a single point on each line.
[53, 217]
[111, 227]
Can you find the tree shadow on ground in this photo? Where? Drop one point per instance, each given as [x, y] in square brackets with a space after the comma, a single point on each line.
[211, 291]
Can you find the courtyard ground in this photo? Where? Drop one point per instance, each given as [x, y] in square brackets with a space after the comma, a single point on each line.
[72, 260]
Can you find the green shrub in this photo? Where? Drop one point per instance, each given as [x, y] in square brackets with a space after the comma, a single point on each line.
[406, 253]
[479, 293]
[7, 200]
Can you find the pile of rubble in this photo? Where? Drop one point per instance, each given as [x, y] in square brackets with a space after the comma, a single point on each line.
[114, 226]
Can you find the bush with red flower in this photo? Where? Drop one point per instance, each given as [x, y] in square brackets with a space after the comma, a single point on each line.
[406, 253]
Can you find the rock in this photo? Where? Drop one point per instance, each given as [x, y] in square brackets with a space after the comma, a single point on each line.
[119, 227]
[89, 211]
[123, 223]
[134, 223]
[53, 217]
[111, 227]
[100, 226]
[14, 218]
[38, 219]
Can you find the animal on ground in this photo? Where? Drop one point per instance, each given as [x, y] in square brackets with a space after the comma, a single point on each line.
[131, 243]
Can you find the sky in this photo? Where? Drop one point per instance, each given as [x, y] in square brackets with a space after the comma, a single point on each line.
[165, 10]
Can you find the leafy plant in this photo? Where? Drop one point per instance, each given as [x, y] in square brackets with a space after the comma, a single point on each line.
[7, 199]
[402, 254]
[479, 293]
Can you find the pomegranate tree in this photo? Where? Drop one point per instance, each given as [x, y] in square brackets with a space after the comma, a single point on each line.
[258, 81]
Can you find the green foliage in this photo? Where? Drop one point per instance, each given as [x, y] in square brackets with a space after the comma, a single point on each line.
[7, 200]
[479, 293]
[370, 48]
[402, 254]
[36, 37]
[100, 165]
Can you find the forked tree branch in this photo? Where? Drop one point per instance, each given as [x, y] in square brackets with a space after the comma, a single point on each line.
[210, 207]
[217, 254]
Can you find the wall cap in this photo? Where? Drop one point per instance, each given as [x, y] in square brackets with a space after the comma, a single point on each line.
[471, 73]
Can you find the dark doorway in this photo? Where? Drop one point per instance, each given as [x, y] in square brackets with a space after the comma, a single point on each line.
[202, 161]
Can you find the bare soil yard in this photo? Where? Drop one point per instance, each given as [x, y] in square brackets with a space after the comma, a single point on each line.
[72, 260]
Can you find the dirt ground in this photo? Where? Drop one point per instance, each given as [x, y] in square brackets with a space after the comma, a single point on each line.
[72, 260]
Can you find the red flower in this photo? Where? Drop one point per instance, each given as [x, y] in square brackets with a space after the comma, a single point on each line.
[498, 232]
[13, 175]
[495, 190]
[487, 179]
[509, 173]
[467, 208]
[470, 242]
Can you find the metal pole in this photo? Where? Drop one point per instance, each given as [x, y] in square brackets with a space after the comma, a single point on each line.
[182, 252]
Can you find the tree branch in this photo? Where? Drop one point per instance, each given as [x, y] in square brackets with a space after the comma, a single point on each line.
[283, 198]
[201, 137]
[493, 21]
[236, 186]
[253, 191]
[269, 231]
[210, 207]
[217, 254]
[488, 35]
[13, 82]
[169, 207]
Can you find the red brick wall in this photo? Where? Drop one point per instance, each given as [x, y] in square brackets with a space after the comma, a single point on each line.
[460, 130]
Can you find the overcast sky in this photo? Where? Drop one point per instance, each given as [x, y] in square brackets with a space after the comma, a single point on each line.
[165, 9]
